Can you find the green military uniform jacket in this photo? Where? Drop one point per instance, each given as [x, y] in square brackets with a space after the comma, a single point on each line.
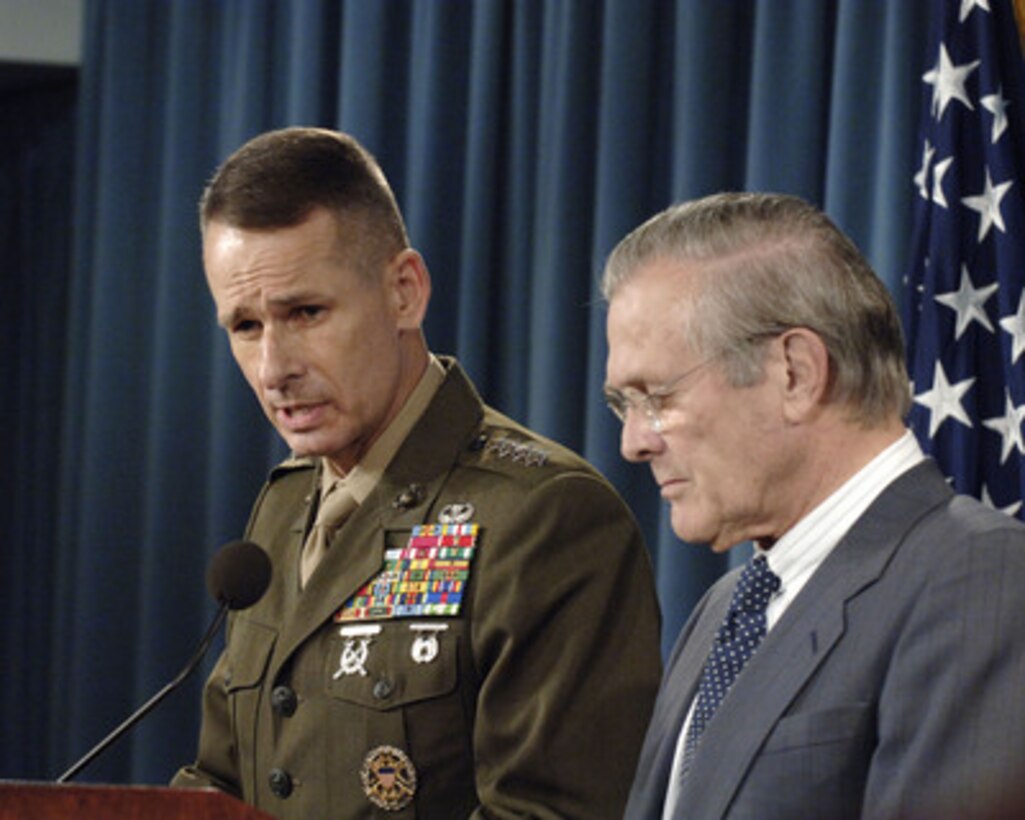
[531, 701]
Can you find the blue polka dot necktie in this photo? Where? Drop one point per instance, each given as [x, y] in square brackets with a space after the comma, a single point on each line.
[738, 637]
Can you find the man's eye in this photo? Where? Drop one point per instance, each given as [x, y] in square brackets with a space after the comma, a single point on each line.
[245, 327]
[308, 312]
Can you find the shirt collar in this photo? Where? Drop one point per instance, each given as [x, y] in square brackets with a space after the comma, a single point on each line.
[801, 550]
[362, 478]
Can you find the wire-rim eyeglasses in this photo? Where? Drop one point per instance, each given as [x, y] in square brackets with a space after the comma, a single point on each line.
[651, 403]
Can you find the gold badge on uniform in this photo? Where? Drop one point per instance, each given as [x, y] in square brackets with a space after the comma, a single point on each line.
[389, 778]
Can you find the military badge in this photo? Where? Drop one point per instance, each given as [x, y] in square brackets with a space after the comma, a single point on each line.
[388, 777]
[426, 644]
[521, 452]
[427, 577]
[356, 650]
[458, 513]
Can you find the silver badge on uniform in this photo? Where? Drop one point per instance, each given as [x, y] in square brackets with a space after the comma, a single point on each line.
[426, 645]
[356, 649]
[458, 513]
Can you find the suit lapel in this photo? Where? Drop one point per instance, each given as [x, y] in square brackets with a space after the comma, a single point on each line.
[679, 684]
[801, 641]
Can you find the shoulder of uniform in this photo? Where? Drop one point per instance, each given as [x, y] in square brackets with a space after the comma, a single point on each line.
[507, 446]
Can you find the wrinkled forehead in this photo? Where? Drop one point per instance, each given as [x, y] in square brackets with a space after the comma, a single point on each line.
[660, 290]
[649, 321]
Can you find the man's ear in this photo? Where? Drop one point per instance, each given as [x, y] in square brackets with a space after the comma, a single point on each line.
[805, 361]
[408, 283]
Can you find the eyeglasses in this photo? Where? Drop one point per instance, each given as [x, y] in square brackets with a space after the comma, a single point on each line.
[652, 403]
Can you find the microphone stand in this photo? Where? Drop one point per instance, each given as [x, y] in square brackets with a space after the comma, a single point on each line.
[148, 706]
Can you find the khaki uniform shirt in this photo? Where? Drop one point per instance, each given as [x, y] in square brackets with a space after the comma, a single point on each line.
[360, 481]
[528, 697]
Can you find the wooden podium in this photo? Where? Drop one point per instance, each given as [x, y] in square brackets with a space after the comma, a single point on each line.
[24, 800]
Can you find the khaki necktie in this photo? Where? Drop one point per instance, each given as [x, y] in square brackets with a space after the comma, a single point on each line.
[336, 506]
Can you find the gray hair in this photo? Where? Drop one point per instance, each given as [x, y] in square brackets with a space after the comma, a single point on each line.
[768, 263]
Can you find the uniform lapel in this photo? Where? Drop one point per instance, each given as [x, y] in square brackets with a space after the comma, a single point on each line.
[801, 642]
[403, 498]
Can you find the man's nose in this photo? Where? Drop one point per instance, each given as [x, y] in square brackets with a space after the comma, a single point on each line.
[279, 362]
[638, 442]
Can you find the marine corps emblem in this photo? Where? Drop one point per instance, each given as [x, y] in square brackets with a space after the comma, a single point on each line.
[389, 778]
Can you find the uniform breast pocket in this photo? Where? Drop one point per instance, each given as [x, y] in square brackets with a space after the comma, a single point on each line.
[392, 664]
[398, 692]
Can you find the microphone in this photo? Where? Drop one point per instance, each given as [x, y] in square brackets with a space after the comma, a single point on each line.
[236, 578]
[238, 575]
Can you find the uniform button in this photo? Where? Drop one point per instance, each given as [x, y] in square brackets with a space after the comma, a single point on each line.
[383, 689]
[284, 701]
[280, 782]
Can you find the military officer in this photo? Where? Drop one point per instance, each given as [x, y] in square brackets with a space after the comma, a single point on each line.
[461, 621]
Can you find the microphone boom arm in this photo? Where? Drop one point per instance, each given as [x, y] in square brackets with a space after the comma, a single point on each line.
[149, 705]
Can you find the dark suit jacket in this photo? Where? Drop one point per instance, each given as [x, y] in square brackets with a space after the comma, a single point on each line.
[537, 700]
[893, 685]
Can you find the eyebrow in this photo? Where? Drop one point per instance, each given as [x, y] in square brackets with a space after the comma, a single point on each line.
[287, 301]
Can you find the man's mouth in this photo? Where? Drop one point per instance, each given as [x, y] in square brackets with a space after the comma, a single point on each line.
[297, 418]
[668, 486]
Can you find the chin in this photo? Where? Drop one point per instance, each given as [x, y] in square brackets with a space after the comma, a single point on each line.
[686, 531]
[686, 528]
[305, 444]
[301, 451]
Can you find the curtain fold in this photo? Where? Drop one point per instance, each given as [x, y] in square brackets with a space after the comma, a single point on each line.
[37, 137]
[523, 138]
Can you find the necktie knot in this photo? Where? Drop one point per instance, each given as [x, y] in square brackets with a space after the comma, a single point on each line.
[757, 585]
[335, 506]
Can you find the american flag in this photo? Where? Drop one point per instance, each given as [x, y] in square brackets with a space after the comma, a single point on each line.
[965, 305]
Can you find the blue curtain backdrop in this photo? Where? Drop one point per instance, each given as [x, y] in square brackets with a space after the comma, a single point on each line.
[523, 138]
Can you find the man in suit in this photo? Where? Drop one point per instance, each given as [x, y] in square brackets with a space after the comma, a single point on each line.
[461, 620]
[757, 364]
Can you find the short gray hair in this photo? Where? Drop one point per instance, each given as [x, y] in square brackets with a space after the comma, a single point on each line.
[768, 263]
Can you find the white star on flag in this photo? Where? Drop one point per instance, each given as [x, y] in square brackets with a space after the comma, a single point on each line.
[1015, 325]
[987, 204]
[996, 105]
[937, 181]
[968, 302]
[922, 177]
[968, 5]
[948, 82]
[1009, 427]
[944, 400]
[1010, 509]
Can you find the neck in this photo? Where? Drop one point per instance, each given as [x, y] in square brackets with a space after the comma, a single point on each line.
[836, 454]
